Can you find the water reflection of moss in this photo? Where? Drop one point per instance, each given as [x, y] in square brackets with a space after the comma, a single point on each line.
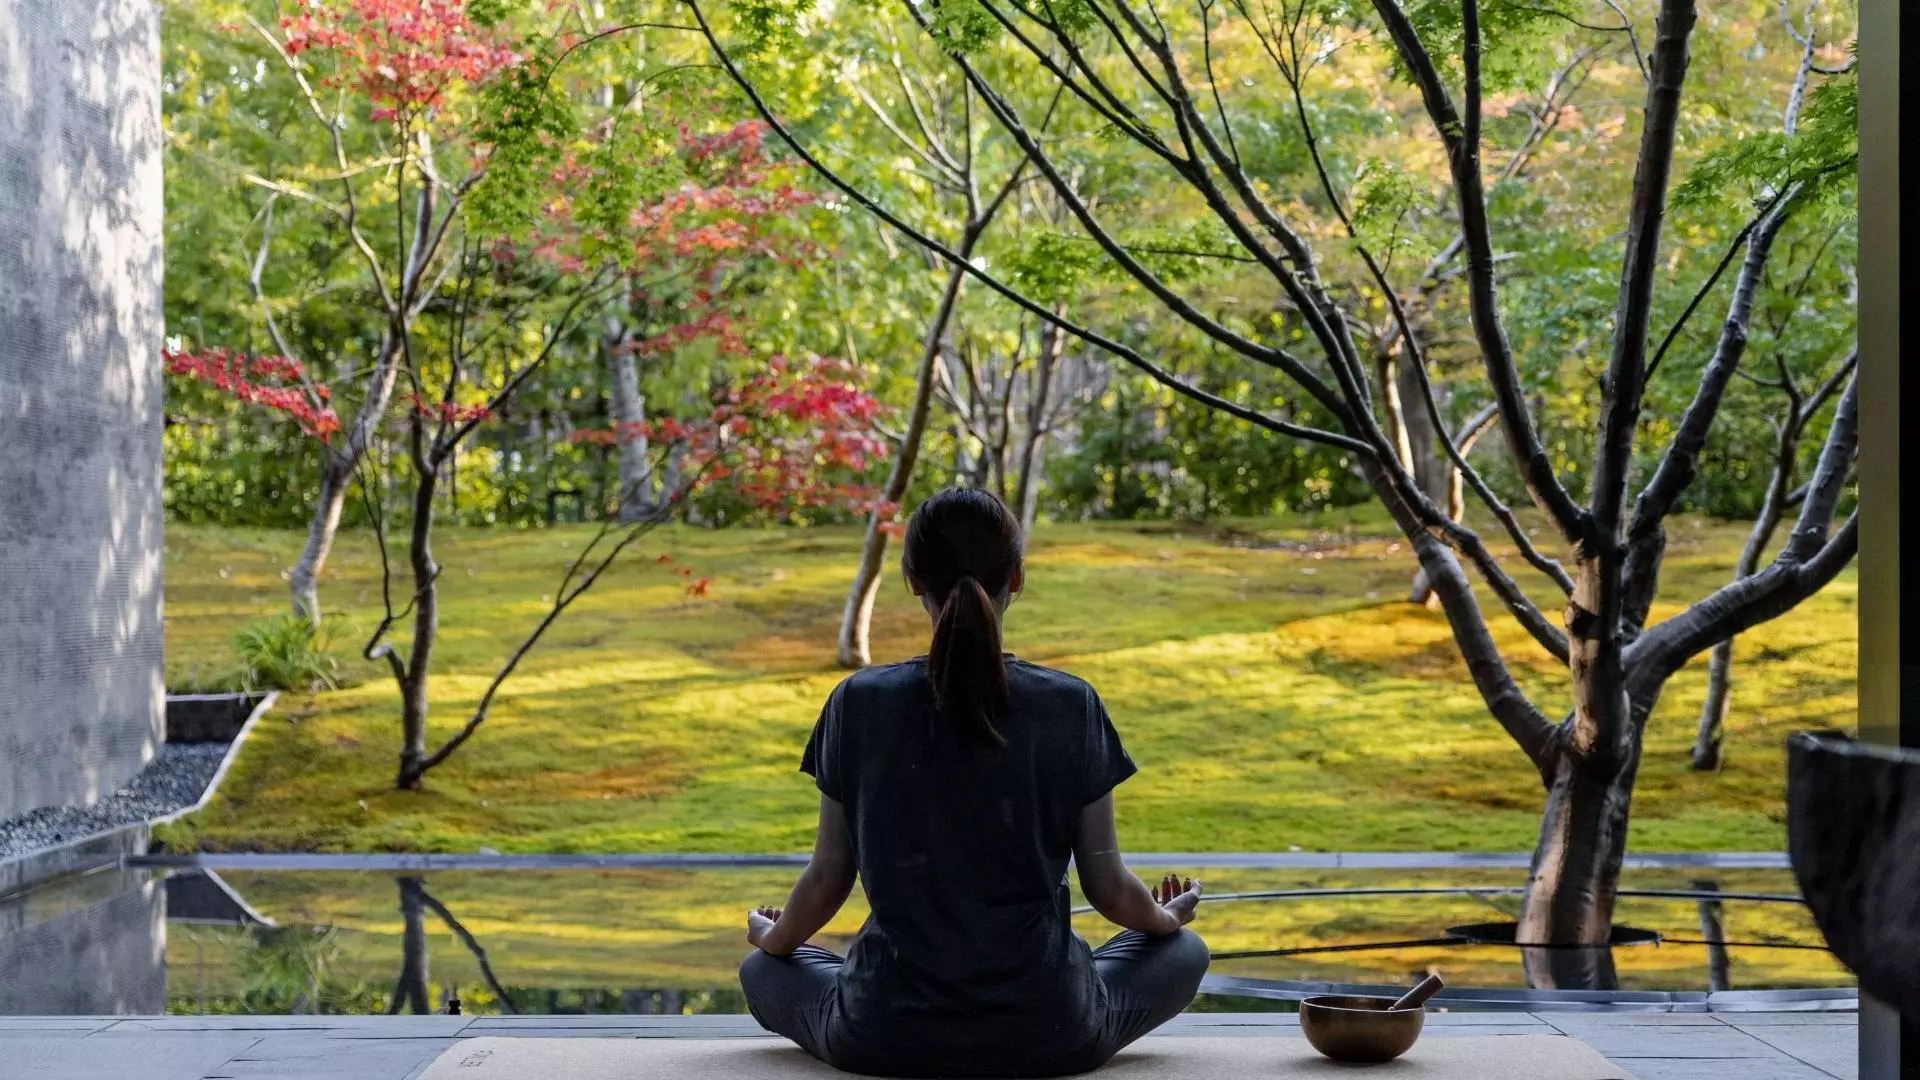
[593, 941]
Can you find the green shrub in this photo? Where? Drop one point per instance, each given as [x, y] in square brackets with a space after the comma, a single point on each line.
[286, 652]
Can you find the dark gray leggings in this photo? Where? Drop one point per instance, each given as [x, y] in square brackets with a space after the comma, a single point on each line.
[1149, 980]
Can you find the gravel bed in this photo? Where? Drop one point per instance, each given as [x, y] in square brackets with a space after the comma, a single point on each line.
[175, 777]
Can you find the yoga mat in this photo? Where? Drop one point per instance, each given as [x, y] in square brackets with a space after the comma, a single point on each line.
[1468, 1057]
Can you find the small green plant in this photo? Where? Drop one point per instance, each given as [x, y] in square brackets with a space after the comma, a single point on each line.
[286, 652]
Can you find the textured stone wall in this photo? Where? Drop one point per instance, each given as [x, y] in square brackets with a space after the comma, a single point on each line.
[81, 696]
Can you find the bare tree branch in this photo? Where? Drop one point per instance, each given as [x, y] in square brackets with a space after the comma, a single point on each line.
[587, 574]
[350, 215]
[1523, 441]
[1633, 39]
[1626, 370]
[1766, 213]
[1004, 112]
[1519, 717]
[266, 310]
[1809, 559]
[1645, 536]
[1131, 356]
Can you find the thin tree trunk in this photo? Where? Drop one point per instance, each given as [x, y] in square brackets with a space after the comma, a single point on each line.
[336, 475]
[426, 616]
[1708, 748]
[1026, 488]
[1431, 471]
[1411, 431]
[857, 620]
[1002, 431]
[304, 579]
[637, 491]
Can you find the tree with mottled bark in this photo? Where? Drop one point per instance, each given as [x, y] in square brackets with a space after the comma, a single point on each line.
[383, 83]
[1148, 73]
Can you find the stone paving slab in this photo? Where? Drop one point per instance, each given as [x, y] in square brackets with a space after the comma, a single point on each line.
[1831, 1049]
[308, 1058]
[192, 1058]
[1650, 1046]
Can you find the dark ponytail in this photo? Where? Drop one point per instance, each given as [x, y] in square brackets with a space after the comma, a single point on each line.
[963, 550]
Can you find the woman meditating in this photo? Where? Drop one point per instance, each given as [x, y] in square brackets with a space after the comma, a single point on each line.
[955, 787]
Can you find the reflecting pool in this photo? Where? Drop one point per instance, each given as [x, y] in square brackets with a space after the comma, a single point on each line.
[151, 940]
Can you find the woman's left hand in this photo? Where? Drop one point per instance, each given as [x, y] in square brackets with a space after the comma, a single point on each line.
[760, 923]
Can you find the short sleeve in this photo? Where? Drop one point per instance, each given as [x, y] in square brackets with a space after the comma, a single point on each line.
[1107, 761]
[821, 760]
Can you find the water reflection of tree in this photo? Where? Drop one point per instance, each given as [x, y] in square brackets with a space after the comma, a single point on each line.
[411, 987]
[412, 984]
[1713, 931]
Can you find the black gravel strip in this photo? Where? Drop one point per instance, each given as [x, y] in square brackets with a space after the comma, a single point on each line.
[175, 777]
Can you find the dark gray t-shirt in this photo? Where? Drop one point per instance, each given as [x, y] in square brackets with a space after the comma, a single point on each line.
[963, 851]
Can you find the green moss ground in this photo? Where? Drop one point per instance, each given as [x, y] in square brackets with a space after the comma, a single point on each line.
[1271, 688]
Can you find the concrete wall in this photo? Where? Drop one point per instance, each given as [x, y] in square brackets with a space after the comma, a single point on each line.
[81, 697]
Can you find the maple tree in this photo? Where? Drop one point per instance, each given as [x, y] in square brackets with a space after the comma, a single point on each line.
[390, 87]
[697, 254]
[561, 213]
[792, 435]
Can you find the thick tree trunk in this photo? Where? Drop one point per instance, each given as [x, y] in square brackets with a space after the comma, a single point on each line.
[337, 474]
[426, 623]
[638, 494]
[1576, 873]
[856, 621]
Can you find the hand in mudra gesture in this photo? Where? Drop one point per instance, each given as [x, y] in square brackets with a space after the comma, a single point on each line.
[1177, 897]
[760, 923]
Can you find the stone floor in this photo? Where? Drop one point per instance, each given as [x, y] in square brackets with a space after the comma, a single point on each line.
[1650, 1046]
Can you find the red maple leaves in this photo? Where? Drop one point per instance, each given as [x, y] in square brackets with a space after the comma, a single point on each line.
[449, 412]
[790, 437]
[272, 382]
[403, 55]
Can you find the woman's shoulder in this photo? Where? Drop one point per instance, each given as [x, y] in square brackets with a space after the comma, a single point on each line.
[1039, 678]
[884, 678]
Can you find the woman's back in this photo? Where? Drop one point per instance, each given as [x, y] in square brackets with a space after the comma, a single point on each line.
[955, 788]
[963, 849]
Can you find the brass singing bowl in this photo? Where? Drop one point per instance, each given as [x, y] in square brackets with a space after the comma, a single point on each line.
[1359, 1029]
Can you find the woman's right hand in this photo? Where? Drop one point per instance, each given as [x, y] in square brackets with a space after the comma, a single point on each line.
[1179, 899]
